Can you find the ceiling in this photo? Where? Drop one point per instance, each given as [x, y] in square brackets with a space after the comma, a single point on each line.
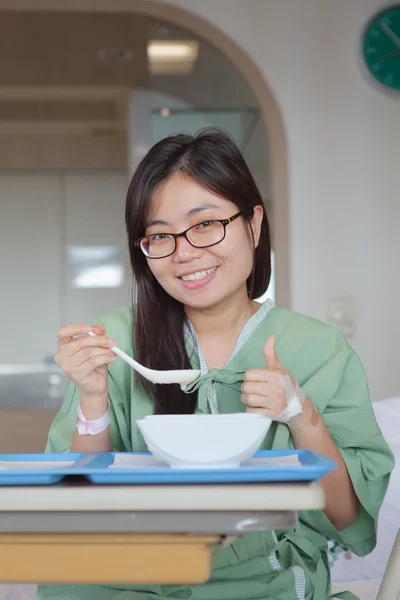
[54, 78]
[63, 49]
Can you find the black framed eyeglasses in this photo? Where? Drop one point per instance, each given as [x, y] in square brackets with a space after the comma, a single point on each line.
[202, 235]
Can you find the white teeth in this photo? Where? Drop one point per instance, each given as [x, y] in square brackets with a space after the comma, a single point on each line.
[198, 275]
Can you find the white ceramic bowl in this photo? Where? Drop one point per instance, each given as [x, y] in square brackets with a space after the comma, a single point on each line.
[204, 441]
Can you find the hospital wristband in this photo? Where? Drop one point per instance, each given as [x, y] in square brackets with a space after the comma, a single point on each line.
[94, 426]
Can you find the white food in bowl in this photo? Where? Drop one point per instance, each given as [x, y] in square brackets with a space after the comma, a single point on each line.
[204, 441]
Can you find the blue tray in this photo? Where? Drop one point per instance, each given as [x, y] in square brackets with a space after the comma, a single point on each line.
[95, 468]
[51, 471]
[313, 466]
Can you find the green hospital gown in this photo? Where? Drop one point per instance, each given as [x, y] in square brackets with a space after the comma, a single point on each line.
[278, 565]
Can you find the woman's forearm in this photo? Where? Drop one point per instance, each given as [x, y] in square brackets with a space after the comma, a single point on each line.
[93, 409]
[92, 443]
[310, 433]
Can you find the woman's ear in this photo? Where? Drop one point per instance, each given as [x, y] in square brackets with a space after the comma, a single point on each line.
[255, 222]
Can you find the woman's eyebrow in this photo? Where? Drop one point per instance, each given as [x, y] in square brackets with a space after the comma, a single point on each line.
[197, 209]
[193, 211]
[156, 222]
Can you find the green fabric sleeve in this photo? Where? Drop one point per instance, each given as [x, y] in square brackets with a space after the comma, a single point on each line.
[351, 422]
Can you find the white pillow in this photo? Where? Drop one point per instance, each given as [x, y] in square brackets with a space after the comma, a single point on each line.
[387, 413]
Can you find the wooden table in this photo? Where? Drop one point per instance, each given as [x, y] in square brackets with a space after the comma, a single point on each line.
[158, 534]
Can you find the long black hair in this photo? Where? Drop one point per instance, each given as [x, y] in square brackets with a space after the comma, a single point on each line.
[212, 159]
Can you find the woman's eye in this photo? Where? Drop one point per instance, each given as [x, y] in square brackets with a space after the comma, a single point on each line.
[157, 238]
[204, 224]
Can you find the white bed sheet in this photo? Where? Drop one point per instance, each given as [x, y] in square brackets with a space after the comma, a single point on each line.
[365, 590]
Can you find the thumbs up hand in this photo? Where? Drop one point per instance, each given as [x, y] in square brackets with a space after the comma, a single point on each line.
[271, 359]
[262, 390]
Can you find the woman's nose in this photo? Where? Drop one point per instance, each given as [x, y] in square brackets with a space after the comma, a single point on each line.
[185, 251]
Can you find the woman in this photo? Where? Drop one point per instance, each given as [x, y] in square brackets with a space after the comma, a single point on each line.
[200, 252]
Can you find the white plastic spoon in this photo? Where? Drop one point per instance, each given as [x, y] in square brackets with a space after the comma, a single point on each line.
[182, 376]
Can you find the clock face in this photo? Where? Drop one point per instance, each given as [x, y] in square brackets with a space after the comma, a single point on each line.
[381, 47]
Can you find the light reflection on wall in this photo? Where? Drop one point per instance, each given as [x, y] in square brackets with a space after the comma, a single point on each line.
[95, 266]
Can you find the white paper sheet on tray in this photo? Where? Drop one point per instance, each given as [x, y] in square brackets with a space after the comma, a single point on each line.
[16, 465]
[136, 461]
[144, 461]
[291, 460]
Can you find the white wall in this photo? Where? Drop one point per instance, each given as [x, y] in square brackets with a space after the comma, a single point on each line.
[94, 215]
[41, 214]
[30, 266]
[344, 148]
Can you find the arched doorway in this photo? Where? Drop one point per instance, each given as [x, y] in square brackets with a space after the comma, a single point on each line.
[269, 108]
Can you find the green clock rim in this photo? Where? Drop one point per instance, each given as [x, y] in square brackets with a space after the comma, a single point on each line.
[392, 8]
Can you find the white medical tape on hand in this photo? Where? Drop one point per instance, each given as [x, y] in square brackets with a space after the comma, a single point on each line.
[294, 399]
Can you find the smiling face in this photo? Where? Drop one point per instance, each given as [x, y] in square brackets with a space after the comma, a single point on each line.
[201, 278]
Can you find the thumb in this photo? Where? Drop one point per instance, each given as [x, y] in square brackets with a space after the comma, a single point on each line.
[271, 358]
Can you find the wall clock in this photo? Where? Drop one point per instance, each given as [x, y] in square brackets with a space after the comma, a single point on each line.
[381, 47]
